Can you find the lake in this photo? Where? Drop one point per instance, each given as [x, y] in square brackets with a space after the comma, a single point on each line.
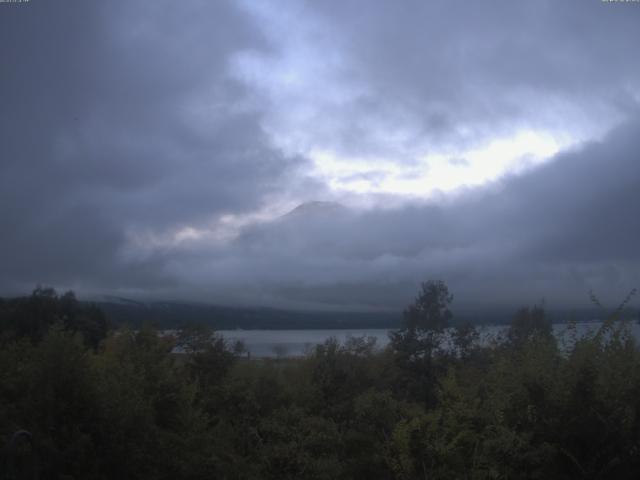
[293, 343]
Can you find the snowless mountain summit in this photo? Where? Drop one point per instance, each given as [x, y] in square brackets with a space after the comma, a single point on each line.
[316, 208]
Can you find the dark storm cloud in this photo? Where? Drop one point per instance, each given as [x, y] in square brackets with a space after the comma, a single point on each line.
[563, 229]
[119, 116]
[137, 138]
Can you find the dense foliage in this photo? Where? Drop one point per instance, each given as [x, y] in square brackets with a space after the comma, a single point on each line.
[437, 403]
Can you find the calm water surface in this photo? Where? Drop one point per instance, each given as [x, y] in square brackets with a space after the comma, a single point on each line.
[291, 343]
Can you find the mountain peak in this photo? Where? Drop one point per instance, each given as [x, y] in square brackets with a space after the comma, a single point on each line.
[316, 207]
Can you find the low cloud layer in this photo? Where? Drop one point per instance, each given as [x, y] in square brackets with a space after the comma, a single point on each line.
[152, 149]
[564, 229]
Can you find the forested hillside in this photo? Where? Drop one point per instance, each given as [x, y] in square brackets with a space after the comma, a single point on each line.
[78, 400]
[170, 315]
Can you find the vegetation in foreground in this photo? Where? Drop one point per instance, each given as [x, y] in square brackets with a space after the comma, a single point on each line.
[78, 401]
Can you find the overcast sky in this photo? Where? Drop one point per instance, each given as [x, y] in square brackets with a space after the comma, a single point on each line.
[154, 149]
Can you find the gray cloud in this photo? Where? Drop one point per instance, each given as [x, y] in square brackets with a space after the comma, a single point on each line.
[137, 139]
[403, 78]
[564, 228]
[116, 117]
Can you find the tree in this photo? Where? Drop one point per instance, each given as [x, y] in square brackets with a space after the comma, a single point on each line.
[31, 317]
[421, 337]
[529, 322]
[209, 357]
[425, 320]
[464, 338]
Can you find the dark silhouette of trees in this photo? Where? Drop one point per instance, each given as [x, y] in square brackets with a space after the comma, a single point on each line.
[419, 341]
[31, 317]
[528, 322]
[436, 403]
